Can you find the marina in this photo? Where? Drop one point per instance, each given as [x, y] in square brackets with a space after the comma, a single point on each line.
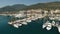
[35, 16]
[30, 17]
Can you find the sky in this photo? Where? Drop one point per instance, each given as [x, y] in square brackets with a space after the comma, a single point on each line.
[26, 2]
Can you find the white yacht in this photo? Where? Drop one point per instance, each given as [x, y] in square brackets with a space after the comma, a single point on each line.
[15, 25]
[53, 23]
[19, 24]
[51, 18]
[25, 23]
[9, 23]
[33, 18]
[28, 20]
[44, 25]
[49, 26]
[36, 18]
[58, 28]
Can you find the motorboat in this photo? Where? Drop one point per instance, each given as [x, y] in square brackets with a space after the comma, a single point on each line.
[9, 23]
[24, 23]
[49, 26]
[28, 20]
[53, 23]
[51, 18]
[36, 18]
[15, 25]
[19, 24]
[58, 28]
[57, 24]
[33, 18]
[44, 25]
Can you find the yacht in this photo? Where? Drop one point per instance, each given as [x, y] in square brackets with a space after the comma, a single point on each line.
[33, 18]
[36, 18]
[57, 24]
[53, 23]
[25, 23]
[44, 25]
[51, 18]
[58, 28]
[28, 19]
[19, 24]
[9, 23]
[15, 25]
[49, 26]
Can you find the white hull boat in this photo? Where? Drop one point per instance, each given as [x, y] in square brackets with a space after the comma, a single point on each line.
[43, 26]
[28, 20]
[9, 23]
[53, 23]
[51, 18]
[19, 24]
[58, 28]
[25, 23]
[33, 19]
[15, 25]
[48, 28]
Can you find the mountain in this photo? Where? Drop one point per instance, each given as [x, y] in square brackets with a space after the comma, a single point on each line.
[17, 7]
[49, 5]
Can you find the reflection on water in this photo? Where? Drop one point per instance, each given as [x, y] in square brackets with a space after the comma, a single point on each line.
[35, 27]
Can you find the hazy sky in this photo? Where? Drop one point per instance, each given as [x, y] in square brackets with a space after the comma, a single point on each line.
[27, 2]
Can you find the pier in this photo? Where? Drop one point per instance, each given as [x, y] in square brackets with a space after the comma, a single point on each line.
[25, 21]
